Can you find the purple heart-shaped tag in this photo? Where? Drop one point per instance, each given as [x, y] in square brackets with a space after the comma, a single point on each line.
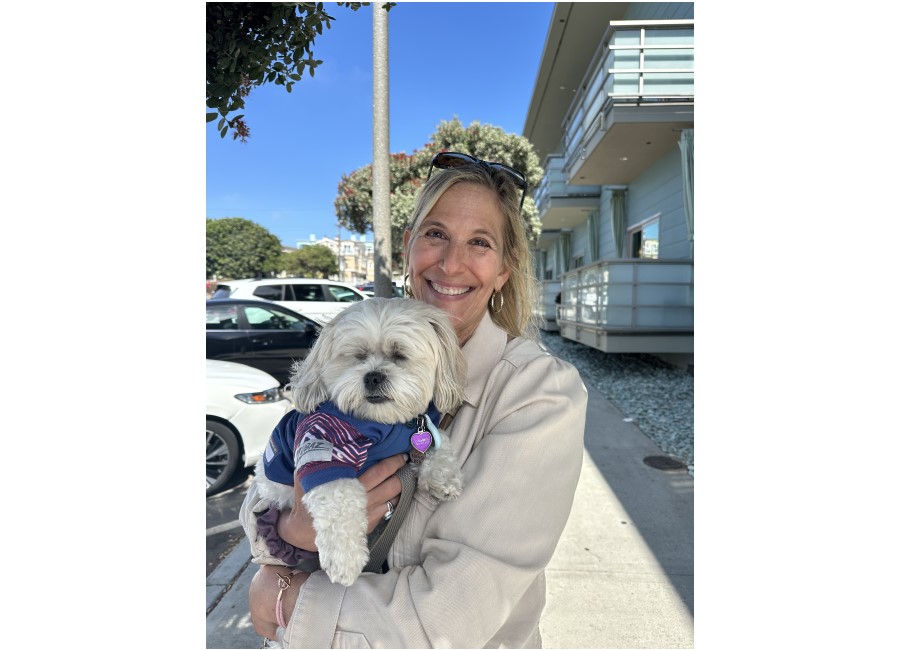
[421, 440]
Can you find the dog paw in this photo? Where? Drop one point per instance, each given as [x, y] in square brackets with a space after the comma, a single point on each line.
[445, 490]
[344, 569]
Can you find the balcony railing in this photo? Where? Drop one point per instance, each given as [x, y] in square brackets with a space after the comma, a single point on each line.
[638, 62]
[545, 312]
[630, 296]
[553, 184]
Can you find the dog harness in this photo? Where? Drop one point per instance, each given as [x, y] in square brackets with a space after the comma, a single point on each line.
[328, 444]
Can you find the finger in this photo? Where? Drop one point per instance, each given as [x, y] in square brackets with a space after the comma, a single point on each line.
[377, 513]
[377, 510]
[386, 490]
[376, 474]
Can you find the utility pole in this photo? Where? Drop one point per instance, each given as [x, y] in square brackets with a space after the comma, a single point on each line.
[381, 161]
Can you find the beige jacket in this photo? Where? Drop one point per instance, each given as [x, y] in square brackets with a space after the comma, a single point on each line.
[469, 573]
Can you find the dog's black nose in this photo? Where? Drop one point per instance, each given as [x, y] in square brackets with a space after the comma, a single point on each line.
[371, 380]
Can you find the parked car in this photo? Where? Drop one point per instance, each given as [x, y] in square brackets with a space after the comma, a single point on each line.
[243, 405]
[259, 334]
[369, 289]
[320, 300]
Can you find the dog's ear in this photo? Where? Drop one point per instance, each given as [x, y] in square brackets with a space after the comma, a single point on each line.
[306, 385]
[450, 370]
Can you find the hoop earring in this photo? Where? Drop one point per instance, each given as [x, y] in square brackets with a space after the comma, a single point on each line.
[495, 309]
[406, 290]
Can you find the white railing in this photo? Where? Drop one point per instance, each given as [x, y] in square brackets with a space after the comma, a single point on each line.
[630, 296]
[638, 62]
[545, 311]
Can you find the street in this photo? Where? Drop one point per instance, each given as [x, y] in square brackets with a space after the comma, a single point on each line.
[223, 531]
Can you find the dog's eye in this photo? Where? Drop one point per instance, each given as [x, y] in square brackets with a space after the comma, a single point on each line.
[360, 356]
[398, 356]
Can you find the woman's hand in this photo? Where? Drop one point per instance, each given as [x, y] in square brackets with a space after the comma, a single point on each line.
[264, 598]
[381, 484]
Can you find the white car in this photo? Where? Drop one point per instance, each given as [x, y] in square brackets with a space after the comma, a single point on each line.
[320, 300]
[243, 405]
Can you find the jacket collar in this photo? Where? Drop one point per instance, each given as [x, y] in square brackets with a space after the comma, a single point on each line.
[483, 352]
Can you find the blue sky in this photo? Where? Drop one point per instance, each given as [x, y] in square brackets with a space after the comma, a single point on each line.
[473, 60]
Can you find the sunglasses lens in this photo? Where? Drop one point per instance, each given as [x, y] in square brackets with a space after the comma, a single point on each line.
[516, 175]
[446, 160]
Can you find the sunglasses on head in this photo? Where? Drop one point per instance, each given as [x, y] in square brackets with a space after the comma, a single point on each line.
[449, 159]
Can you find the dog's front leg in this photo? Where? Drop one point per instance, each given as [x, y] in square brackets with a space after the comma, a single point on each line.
[338, 510]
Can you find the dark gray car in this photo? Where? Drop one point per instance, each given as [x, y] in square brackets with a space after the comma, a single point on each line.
[259, 334]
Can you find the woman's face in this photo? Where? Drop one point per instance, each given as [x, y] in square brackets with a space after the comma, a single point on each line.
[456, 261]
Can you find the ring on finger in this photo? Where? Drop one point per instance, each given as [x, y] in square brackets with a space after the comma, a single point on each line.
[390, 511]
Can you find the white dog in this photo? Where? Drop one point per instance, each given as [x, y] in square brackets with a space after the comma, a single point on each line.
[363, 394]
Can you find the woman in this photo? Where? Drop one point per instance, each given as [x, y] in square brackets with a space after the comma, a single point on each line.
[468, 573]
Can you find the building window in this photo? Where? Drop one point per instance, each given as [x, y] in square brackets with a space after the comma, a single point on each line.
[644, 239]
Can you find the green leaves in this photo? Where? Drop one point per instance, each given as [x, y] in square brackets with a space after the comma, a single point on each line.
[238, 248]
[312, 261]
[252, 43]
[353, 204]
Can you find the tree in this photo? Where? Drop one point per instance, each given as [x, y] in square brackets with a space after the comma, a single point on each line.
[315, 261]
[238, 248]
[252, 43]
[353, 204]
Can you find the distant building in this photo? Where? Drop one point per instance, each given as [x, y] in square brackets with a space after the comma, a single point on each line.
[356, 257]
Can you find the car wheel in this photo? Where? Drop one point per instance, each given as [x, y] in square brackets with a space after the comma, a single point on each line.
[222, 455]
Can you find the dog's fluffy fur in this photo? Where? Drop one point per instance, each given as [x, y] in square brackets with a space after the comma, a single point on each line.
[415, 349]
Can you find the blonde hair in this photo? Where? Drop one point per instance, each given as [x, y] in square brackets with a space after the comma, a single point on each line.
[520, 293]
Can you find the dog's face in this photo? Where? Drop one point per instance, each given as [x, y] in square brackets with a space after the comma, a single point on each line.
[382, 359]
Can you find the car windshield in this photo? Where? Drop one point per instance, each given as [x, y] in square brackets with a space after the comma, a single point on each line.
[341, 294]
[261, 318]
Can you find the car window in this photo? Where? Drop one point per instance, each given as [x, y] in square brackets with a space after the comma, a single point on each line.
[269, 291]
[221, 317]
[340, 294]
[307, 292]
[263, 318]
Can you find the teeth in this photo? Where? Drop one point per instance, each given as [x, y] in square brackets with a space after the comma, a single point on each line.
[450, 291]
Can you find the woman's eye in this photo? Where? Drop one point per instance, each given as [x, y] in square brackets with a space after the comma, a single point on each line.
[481, 242]
[437, 234]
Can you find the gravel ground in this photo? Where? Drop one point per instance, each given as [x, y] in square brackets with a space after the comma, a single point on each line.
[657, 396]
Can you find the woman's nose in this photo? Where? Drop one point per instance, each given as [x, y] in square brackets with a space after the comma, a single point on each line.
[453, 257]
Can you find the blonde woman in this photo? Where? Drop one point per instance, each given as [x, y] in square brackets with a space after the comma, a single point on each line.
[467, 573]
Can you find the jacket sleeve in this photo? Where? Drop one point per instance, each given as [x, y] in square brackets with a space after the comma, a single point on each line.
[483, 551]
[252, 507]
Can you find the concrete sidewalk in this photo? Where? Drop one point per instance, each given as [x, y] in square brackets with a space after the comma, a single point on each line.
[622, 575]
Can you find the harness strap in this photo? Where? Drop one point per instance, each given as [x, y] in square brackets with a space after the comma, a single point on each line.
[384, 535]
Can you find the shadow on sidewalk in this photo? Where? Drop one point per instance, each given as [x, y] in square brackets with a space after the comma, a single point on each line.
[659, 503]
